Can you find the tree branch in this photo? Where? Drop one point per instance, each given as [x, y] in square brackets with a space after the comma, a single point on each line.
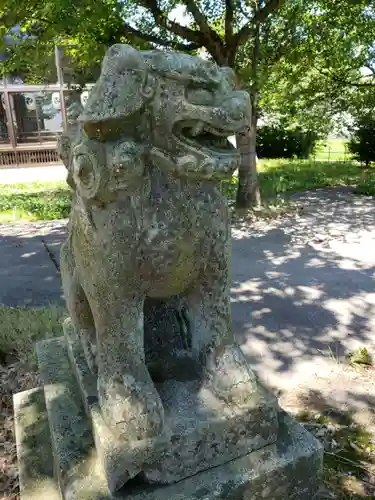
[249, 29]
[342, 81]
[132, 32]
[229, 11]
[199, 18]
[172, 26]
[213, 43]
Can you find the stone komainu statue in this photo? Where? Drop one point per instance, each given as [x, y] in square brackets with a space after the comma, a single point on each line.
[145, 268]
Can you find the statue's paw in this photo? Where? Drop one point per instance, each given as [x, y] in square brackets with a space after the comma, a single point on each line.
[131, 408]
[229, 376]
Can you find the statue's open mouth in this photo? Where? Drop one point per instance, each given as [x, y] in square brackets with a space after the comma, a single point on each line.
[202, 135]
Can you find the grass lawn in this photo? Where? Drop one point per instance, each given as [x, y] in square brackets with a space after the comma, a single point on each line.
[34, 201]
[51, 200]
[332, 149]
[279, 177]
[283, 176]
[21, 327]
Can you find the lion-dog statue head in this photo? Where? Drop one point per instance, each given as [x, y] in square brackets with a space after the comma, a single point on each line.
[180, 108]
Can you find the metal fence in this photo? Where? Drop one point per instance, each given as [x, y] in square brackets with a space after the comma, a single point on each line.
[323, 155]
[33, 116]
[329, 153]
[9, 159]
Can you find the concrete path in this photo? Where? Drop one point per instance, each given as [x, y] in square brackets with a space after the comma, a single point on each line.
[29, 274]
[303, 286]
[32, 174]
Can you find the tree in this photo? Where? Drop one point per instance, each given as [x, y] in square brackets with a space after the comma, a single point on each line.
[362, 144]
[284, 141]
[301, 100]
[322, 78]
[220, 28]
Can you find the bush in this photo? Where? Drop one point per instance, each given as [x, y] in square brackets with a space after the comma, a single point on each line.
[366, 184]
[362, 144]
[361, 357]
[34, 201]
[280, 142]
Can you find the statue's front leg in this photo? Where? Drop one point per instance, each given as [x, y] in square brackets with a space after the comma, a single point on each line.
[78, 306]
[226, 370]
[129, 401]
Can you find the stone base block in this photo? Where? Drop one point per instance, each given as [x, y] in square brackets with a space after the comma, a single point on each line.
[200, 430]
[34, 447]
[287, 470]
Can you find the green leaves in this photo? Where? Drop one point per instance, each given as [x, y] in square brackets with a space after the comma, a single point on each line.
[362, 144]
[311, 65]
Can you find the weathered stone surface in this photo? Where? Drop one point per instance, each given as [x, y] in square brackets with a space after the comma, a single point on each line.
[149, 239]
[34, 450]
[73, 446]
[289, 469]
[200, 430]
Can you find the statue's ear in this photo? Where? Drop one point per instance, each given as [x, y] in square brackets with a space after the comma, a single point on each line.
[64, 150]
[87, 173]
[122, 90]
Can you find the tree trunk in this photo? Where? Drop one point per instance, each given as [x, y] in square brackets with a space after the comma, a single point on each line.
[248, 193]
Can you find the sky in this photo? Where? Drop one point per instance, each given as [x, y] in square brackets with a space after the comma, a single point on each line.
[179, 15]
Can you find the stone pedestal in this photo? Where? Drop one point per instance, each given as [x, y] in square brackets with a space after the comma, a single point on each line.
[282, 461]
[200, 430]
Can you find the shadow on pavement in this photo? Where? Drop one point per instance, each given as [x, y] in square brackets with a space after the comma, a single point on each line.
[303, 289]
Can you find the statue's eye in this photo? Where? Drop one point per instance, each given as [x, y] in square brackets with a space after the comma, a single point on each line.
[200, 96]
[83, 167]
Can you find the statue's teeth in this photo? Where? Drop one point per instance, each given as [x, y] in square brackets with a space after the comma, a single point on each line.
[187, 162]
[197, 129]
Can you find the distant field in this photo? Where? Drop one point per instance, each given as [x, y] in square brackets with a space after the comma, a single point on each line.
[332, 149]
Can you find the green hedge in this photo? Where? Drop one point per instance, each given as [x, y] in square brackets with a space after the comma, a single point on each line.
[362, 144]
[279, 142]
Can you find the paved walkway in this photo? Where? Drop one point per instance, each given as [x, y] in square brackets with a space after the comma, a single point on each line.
[29, 255]
[32, 174]
[303, 286]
